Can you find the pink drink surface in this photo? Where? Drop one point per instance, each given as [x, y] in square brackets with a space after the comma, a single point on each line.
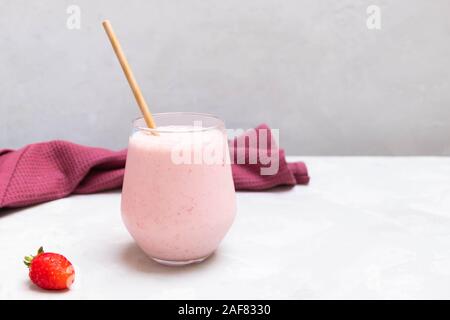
[177, 212]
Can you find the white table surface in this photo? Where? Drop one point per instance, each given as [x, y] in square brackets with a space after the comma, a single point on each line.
[365, 227]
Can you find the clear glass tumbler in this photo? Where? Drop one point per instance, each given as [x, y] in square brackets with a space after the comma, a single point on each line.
[178, 197]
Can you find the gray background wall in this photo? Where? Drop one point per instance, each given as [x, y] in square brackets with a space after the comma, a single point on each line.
[310, 68]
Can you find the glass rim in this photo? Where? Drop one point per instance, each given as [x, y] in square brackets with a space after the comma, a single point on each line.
[219, 124]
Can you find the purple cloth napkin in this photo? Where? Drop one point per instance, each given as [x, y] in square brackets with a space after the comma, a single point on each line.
[51, 170]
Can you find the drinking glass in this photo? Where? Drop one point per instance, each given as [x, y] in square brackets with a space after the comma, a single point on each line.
[178, 197]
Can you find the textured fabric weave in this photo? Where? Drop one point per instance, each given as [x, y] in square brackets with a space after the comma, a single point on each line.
[51, 170]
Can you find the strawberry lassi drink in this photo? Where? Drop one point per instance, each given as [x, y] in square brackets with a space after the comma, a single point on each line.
[178, 198]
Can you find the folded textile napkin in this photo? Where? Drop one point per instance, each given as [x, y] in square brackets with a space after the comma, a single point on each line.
[51, 170]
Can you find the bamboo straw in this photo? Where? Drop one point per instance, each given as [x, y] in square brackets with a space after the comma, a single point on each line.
[129, 75]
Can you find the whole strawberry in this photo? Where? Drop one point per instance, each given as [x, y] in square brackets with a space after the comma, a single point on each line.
[50, 271]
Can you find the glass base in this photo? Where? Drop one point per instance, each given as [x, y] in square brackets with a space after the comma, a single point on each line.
[179, 263]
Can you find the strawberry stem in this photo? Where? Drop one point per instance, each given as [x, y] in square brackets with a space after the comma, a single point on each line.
[27, 260]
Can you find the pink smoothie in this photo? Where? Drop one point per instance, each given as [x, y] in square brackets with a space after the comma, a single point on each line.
[178, 212]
